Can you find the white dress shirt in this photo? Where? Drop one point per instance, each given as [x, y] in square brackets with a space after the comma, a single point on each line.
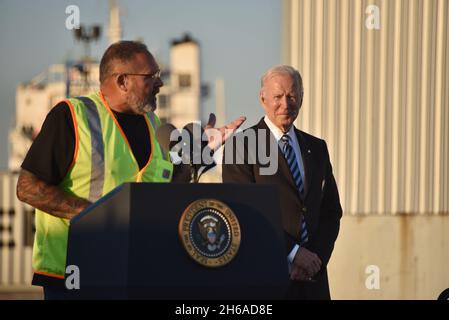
[277, 133]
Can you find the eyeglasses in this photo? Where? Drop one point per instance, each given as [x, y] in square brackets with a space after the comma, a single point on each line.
[155, 75]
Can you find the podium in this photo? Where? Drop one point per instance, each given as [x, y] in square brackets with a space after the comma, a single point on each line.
[127, 245]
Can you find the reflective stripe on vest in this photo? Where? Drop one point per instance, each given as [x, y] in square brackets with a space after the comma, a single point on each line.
[97, 156]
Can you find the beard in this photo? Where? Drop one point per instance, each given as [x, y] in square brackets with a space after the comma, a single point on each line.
[141, 105]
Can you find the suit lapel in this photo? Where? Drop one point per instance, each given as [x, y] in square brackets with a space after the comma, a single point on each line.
[309, 167]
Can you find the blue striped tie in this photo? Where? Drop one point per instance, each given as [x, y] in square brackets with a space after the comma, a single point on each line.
[289, 155]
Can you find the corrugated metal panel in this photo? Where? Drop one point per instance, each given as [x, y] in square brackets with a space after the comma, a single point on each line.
[379, 98]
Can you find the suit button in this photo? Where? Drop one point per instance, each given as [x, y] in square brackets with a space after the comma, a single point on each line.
[304, 209]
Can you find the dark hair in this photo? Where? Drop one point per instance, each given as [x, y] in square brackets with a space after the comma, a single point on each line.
[123, 51]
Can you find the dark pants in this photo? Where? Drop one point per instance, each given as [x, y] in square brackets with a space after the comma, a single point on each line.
[306, 290]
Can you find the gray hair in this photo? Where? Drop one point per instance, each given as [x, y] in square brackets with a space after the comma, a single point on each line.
[284, 70]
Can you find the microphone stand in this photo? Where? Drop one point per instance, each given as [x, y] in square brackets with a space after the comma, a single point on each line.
[193, 172]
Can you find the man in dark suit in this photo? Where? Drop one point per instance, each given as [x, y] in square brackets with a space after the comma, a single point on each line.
[310, 204]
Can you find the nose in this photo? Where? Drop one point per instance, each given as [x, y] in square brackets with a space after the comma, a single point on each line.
[284, 102]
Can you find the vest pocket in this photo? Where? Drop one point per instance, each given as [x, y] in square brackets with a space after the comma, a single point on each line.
[160, 170]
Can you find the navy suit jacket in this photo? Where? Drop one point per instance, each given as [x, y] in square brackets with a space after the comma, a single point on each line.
[321, 204]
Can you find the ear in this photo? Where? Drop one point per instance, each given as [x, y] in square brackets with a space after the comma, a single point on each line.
[262, 97]
[121, 82]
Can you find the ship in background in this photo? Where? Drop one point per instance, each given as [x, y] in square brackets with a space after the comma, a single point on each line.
[179, 100]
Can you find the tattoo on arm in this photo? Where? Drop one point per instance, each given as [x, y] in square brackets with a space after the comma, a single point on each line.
[47, 197]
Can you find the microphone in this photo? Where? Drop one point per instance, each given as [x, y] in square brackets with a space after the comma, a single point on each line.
[192, 147]
[163, 137]
[187, 146]
[200, 155]
[195, 143]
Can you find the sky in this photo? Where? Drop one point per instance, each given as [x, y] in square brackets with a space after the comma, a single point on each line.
[239, 41]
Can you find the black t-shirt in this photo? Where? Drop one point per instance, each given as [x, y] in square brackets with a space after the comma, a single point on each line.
[51, 154]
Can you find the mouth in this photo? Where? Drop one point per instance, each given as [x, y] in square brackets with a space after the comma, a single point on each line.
[290, 113]
[286, 115]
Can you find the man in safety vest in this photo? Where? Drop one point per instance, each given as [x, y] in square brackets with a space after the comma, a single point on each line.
[88, 146]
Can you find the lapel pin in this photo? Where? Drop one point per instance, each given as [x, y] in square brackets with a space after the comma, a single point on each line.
[309, 151]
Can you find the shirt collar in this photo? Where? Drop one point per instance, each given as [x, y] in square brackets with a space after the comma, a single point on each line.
[277, 133]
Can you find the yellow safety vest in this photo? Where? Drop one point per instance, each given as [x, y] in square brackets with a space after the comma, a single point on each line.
[102, 160]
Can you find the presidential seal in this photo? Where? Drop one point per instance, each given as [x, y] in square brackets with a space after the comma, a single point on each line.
[210, 232]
